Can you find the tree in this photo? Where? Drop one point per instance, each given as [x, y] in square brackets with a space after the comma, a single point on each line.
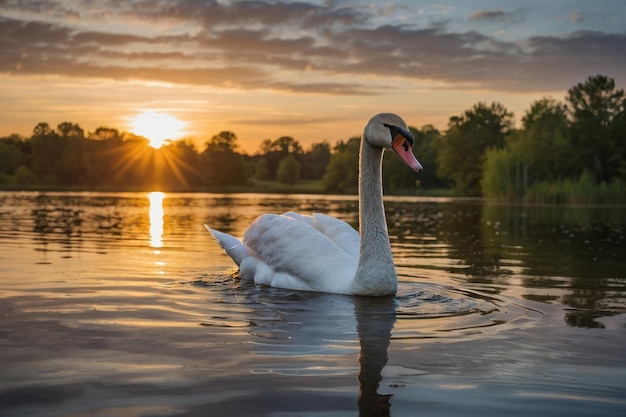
[260, 169]
[425, 148]
[10, 156]
[597, 110]
[286, 145]
[469, 136]
[540, 151]
[70, 130]
[106, 133]
[46, 149]
[221, 163]
[224, 141]
[42, 129]
[546, 143]
[266, 146]
[314, 161]
[181, 167]
[288, 170]
[342, 172]
[274, 152]
[24, 176]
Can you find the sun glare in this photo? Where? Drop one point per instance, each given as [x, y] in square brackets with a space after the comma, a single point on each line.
[157, 127]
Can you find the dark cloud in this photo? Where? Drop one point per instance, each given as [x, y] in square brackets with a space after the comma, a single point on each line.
[289, 46]
[490, 15]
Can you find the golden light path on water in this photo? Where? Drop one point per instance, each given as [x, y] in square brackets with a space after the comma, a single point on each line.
[156, 218]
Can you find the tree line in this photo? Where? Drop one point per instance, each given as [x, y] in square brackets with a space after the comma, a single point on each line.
[562, 152]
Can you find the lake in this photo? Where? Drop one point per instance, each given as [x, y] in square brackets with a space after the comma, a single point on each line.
[121, 304]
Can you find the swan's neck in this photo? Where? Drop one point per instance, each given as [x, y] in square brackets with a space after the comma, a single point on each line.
[376, 274]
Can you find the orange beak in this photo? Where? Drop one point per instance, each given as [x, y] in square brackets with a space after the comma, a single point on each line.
[402, 146]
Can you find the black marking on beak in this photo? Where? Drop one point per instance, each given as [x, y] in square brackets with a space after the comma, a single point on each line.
[395, 131]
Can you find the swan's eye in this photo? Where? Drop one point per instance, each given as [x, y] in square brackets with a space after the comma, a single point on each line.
[398, 131]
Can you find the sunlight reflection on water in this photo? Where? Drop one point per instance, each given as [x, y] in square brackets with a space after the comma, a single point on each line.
[156, 218]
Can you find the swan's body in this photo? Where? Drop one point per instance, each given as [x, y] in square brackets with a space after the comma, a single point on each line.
[319, 252]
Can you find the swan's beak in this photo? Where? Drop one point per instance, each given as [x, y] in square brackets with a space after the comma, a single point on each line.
[402, 144]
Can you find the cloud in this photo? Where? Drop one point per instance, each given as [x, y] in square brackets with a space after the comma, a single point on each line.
[301, 47]
[490, 15]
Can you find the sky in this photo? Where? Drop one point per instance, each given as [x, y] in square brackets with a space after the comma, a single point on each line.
[312, 70]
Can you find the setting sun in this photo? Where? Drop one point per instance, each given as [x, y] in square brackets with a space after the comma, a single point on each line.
[157, 127]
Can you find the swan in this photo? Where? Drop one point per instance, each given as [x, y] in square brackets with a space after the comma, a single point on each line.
[324, 254]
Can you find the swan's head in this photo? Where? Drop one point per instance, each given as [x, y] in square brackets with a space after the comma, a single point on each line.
[389, 131]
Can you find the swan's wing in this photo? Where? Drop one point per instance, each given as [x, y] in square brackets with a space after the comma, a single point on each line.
[339, 232]
[290, 252]
[336, 230]
[233, 246]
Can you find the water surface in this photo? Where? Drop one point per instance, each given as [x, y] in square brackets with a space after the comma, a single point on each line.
[120, 304]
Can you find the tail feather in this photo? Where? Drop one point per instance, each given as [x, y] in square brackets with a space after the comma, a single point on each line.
[233, 246]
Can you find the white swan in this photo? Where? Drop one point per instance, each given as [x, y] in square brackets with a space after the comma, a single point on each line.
[324, 254]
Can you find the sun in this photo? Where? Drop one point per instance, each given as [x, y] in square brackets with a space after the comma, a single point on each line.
[157, 127]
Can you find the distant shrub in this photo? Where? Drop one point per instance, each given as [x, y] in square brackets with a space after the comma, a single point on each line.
[583, 190]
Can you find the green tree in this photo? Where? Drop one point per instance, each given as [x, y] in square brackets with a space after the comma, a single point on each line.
[396, 175]
[24, 176]
[539, 151]
[597, 111]
[342, 172]
[427, 140]
[288, 170]
[546, 141]
[261, 172]
[274, 152]
[462, 152]
[314, 161]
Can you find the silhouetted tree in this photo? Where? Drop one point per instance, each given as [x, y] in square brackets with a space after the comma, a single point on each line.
[224, 141]
[46, 150]
[42, 129]
[222, 165]
[11, 156]
[70, 130]
[106, 133]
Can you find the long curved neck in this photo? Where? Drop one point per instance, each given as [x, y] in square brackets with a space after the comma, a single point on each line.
[376, 274]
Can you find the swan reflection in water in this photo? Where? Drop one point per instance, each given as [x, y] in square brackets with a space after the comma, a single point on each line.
[310, 321]
[375, 318]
